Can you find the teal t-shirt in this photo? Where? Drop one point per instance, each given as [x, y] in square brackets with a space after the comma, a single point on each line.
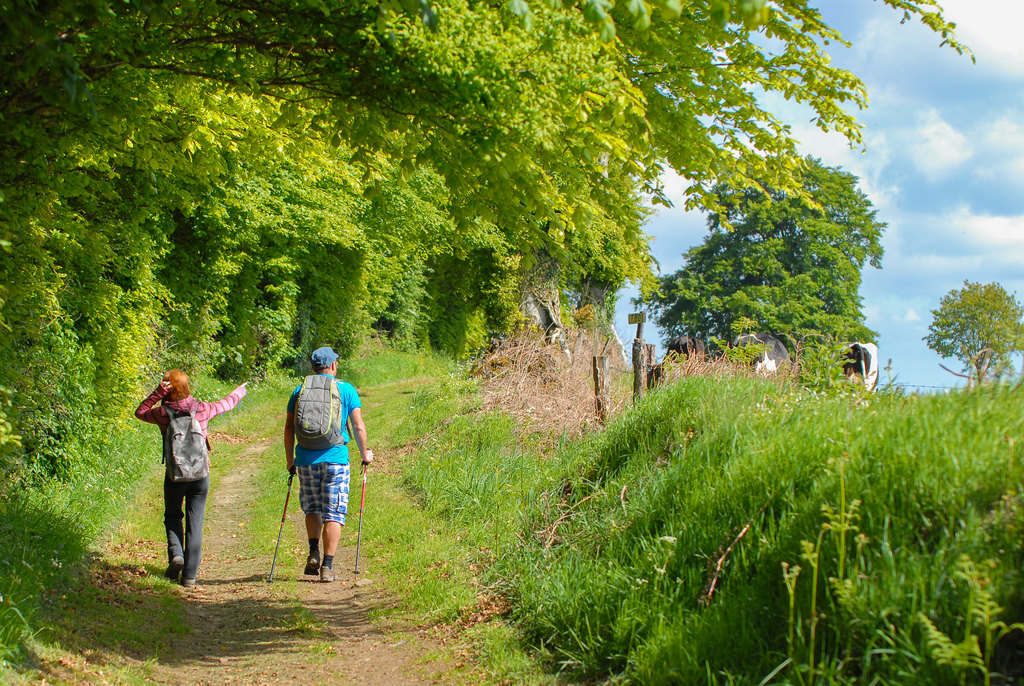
[336, 453]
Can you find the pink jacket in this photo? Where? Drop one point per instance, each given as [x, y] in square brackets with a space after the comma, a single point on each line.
[203, 412]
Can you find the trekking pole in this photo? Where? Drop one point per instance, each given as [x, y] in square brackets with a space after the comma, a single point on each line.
[283, 515]
[362, 500]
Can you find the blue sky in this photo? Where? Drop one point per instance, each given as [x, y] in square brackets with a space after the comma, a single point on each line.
[942, 162]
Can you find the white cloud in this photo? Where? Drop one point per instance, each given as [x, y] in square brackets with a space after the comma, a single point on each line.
[675, 186]
[937, 147]
[991, 29]
[1004, 143]
[1001, 237]
[867, 163]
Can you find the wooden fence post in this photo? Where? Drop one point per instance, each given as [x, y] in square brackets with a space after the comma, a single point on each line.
[601, 392]
[639, 375]
[650, 354]
[639, 368]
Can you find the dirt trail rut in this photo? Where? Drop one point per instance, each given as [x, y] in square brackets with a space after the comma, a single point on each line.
[242, 629]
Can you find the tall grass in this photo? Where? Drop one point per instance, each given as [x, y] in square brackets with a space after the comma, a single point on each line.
[48, 527]
[738, 531]
[375, 365]
[874, 500]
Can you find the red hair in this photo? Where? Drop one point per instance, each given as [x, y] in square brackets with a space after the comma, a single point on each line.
[179, 384]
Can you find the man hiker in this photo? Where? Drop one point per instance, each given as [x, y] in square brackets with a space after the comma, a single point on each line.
[316, 437]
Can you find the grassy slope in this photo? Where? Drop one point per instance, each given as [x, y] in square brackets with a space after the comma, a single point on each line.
[898, 511]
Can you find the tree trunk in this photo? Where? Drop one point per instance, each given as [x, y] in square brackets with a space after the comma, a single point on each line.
[598, 296]
[540, 297]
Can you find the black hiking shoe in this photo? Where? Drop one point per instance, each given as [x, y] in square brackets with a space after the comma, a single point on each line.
[312, 564]
[174, 567]
[326, 574]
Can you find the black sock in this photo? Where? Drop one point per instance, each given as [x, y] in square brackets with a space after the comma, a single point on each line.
[314, 546]
[328, 562]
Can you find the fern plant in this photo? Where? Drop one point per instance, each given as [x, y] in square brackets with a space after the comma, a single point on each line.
[974, 651]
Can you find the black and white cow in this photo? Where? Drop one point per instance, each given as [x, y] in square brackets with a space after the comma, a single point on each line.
[774, 355]
[862, 364]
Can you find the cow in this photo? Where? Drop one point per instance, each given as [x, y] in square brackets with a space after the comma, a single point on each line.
[772, 358]
[686, 346]
[862, 364]
[678, 348]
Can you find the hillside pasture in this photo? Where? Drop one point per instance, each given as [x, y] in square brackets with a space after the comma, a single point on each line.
[730, 529]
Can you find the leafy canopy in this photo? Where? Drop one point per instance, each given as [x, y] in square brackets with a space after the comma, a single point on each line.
[181, 182]
[980, 325]
[521, 108]
[788, 263]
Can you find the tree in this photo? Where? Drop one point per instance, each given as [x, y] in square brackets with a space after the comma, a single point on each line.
[790, 262]
[979, 325]
[276, 142]
[523, 119]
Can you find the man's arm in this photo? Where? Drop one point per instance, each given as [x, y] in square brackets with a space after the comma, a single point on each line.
[289, 442]
[360, 434]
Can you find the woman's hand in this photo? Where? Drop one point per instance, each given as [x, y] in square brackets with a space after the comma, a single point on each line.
[368, 457]
[165, 386]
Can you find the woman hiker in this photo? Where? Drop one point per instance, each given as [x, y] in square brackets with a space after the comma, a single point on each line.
[184, 483]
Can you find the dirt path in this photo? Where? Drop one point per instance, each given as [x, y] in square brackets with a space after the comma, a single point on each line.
[241, 629]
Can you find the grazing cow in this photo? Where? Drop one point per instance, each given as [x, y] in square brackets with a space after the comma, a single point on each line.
[772, 358]
[686, 346]
[679, 348]
[862, 364]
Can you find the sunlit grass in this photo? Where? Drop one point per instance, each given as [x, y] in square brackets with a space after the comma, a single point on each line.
[722, 531]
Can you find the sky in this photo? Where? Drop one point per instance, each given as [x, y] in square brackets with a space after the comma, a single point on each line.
[942, 162]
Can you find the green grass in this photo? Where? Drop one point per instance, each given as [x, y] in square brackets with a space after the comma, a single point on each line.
[857, 539]
[46, 529]
[607, 549]
[402, 542]
[875, 503]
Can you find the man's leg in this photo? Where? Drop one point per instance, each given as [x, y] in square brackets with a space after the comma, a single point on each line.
[335, 507]
[332, 534]
[309, 500]
[314, 524]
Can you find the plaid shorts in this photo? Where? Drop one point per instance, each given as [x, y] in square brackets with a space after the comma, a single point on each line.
[323, 490]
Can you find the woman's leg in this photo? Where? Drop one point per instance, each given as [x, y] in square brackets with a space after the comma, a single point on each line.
[173, 495]
[195, 505]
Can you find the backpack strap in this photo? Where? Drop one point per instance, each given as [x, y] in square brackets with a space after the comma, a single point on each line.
[171, 416]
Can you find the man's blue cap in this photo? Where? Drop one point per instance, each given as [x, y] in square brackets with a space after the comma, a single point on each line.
[323, 357]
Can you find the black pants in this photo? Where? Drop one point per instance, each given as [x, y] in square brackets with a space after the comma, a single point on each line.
[188, 542]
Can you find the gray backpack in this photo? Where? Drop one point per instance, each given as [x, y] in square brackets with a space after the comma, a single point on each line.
[318, 413]
[185, 450]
